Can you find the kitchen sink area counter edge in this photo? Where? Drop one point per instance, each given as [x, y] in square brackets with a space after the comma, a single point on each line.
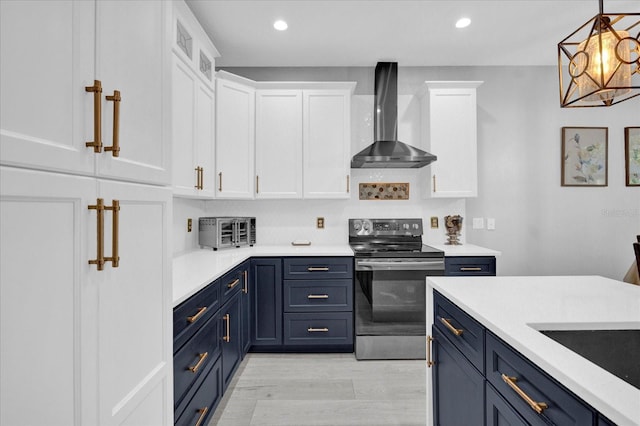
[517, 308]
[196, 269]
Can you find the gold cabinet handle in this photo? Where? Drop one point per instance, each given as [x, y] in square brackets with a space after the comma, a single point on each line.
[199, 178]
[317, 268]
[197, 316]
[196, 367]
[234, 283]
[456, 331]
[115, 147]
[99, 260]
[430, 363]
[203, 413]
[538, 407]
[96, 89]
[468, 268]
[220, 181]
[115, 232]
[227, 320]
[317, 330]
[434, 183]
[317, 296]
[257, 184]
[245, 284]
[348, 186]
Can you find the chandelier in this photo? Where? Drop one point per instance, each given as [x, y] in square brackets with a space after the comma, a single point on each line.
[599, 63]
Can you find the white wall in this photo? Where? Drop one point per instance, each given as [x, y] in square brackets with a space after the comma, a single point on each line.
[541, 227]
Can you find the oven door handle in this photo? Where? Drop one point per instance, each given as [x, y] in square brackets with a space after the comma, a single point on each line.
[404, 265]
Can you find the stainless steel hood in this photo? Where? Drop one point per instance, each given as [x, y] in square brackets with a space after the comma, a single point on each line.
[387, 151]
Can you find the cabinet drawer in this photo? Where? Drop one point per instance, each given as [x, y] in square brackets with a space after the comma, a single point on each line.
[498, 411]
[193, 312]
[192, 359]
[464, 332]
[563, 409]
[318, 295]
[318, 328]
[469, 266]
[318, 268]
[232, 283]
[205, 396]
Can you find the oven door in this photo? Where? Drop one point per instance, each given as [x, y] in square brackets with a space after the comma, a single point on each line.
[395, 287]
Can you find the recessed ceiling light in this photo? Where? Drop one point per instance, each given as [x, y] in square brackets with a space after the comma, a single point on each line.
[280, 25]
[463, 23]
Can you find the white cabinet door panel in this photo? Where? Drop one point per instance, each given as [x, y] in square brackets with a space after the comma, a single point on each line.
[184, 87]
[205, 138]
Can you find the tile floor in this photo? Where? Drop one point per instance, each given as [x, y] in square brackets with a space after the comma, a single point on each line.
[323, 389]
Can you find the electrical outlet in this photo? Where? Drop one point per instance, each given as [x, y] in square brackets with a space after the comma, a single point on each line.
[491, 223]
[434, 222]
[189, 224]
[320, 222]
[478, 223]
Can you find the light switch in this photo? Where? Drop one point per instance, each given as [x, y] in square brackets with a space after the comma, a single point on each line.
[478, 223]
[434, 222]
[491, 223]
[320, 223]
[189, 224]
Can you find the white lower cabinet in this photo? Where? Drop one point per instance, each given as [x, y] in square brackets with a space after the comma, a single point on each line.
[82, 346]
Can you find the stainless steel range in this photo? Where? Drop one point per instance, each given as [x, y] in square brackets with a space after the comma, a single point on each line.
[391, 266]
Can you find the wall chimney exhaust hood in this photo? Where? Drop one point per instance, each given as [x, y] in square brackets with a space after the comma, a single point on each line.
[387, 151]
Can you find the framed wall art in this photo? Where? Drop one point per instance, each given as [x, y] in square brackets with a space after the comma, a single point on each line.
[632, 155]
[584, 156]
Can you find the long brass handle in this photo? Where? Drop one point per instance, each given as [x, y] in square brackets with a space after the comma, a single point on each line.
[234, 283]
[227, 320]
[468, 268]
[456, 331]
[96, 89]
[348, 186]
[220, 181]
[317, 268]
[99, 260]
[203, 413]
[434, 183]
[115, 148]
[196, 367]
[538, 407]
[317, 330]
[245, 284]
[115, 232]
[199, 183]
[430, 363]
[317, 296]
[197, 316]
[257, 184]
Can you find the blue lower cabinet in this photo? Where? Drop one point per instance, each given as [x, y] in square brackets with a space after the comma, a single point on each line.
[469, 266]
[332, 330]
[230, 319]
[458, 387]
[266, 303]
[499, 412]
[203, 398]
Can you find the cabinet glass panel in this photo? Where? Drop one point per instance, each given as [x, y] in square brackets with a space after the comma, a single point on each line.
[184, 40]
[205, 65]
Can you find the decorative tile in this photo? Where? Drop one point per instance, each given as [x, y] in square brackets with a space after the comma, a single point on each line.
[384, 191]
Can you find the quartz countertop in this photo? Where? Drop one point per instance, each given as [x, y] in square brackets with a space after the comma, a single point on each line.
[465, 250]
[515, 308]
[195, 270]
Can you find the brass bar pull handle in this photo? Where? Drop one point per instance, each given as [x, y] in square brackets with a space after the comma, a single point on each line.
[434, 183]
[99, 260]
[197, 316]
[538, 407]
[220, 181]
[257, 184]
[203, 413]
[115, 232]
[318, 296]
[227, 320]
[468, 268]
[96, 89]
[348, 186]
[115, 148]
[317, 268]
[199, 180]
[234, 283]
[196, 367]
[245, 284]
[430, 363]
[317, 330]
[456, 331]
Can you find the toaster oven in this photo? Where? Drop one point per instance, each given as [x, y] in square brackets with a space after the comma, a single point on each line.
[226, 232]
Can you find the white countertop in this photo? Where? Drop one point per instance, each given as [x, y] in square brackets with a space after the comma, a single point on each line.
[465, 250]
[195, 270]
[514, 308]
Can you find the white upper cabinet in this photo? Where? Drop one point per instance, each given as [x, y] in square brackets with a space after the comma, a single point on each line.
[235, 137]
[193, 111]
[278, 144]
[48, 117]
[326, 146]
[450, 133]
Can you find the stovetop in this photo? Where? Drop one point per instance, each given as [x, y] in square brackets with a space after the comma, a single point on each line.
[363, 250]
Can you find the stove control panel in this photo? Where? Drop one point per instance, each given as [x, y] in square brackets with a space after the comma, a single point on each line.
[380, 227]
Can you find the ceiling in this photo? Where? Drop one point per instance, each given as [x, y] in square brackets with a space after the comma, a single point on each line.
[412, 33]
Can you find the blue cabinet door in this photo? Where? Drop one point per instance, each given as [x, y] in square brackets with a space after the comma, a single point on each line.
[230, 319]
[266, 303]
[499, 412]
[245, 306]
[458, 387]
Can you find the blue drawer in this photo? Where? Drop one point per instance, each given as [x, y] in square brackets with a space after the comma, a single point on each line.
[465, 333]
[233, 282]
[203, 399]
[563, 407]
[305, 268]
[318, 295]
[301, 329]
[195, 311]
[470, 266]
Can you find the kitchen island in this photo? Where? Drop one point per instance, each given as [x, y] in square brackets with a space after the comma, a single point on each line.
[515, 309]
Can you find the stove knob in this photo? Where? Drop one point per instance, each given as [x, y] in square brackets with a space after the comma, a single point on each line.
[405, 226]
[366, 226]
[415, 226]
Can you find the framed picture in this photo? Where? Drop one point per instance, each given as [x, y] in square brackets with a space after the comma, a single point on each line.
[584, 156]
[632, 155]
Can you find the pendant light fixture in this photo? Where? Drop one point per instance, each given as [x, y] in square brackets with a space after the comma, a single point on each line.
[599, 63]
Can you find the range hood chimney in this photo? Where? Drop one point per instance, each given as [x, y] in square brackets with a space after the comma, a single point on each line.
[387, 151]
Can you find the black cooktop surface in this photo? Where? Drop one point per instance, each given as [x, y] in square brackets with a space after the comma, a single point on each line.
[395, 250]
